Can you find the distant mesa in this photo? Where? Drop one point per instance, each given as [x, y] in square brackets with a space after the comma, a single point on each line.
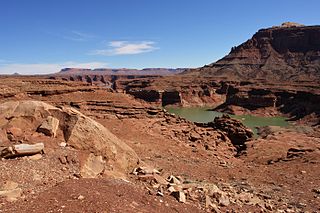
[290, 52]
[74, 69]
[16, 73]
[120, 71]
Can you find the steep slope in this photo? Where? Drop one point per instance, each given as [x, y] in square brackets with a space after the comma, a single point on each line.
[289, 52]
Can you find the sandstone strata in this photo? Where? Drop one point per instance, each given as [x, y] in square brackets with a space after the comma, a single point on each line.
[290, 53]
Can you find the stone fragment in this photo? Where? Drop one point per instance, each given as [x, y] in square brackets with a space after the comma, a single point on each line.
[63, 159]
[215, 209]
[49, 126]
[181, 196]
[63, 144]
[80, 197]
[22, 150]
[160, 192]
[173, 179]
[93, 166]
[160, 179]
[208, 201]
[156, 186]
[224, 200]
[144, 170]
[171, 189]
[194, 137]
[175, 188]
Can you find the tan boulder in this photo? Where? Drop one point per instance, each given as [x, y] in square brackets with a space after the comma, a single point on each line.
[84, 133]
[79, 132]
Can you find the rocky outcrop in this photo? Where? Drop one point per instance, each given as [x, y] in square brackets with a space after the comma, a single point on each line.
[290, 52]
[234, 129]
[76, 129]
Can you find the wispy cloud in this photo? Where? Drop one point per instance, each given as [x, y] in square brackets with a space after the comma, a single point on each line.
[74, 35]
[80, 36]
[42, 68]
[126, 48]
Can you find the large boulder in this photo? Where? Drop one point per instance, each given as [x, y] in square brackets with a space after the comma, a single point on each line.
[76, 129]
[83, 133]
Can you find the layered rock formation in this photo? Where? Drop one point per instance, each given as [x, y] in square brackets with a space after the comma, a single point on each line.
[178, 90]
[298, 103]
[289, 52]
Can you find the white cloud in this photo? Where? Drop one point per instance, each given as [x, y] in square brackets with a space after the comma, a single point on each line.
[32, 69]
[117, 43]
[126, 48]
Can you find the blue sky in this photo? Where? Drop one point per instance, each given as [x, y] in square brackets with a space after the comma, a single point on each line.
[41, 36]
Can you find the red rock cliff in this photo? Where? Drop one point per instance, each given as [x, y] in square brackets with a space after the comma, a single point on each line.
[288, 52]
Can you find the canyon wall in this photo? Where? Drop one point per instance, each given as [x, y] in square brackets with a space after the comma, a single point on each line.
[286, 53]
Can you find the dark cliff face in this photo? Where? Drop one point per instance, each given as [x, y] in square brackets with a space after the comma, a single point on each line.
[279, 53]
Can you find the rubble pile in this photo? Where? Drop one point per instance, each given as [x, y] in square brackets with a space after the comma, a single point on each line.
[208, 195]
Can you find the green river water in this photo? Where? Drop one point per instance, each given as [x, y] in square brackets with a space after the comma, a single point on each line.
[204, 115]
